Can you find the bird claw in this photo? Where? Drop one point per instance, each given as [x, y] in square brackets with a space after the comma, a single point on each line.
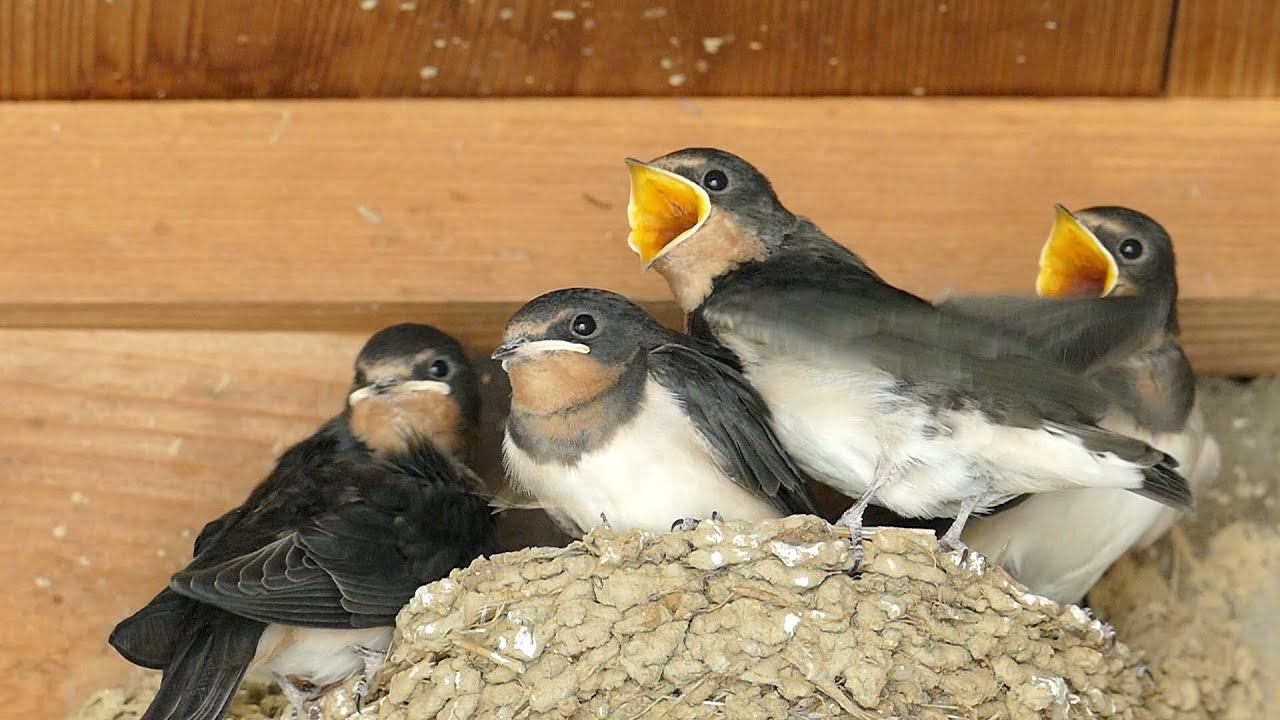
[373, 660]
[954, 545]
[685, 524]
[362, 689]
[853, 523]
[604, 521]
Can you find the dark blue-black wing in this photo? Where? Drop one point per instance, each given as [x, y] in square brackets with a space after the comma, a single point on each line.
[736, 424]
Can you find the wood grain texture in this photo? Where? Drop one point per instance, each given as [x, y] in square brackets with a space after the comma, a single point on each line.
[284, 215]
[116, 448]
[396, 48]
[1226, 48]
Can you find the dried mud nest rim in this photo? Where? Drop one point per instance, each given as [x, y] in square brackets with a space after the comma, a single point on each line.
[747, 620]
[759, 621]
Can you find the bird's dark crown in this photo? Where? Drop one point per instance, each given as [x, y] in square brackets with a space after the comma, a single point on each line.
[620, 326]
[1154, 271]
[411, 350]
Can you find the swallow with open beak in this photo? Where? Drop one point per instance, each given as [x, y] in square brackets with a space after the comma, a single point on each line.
[301, 584]
[873, 390]
[614, 415]
[1059, 544]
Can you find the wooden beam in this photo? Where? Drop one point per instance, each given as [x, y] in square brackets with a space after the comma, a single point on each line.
[346, 215]
[72, 49]
[1226, 48]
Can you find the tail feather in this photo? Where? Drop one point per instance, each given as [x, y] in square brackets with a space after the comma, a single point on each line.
[1165, 485]
[148, 637]
[207, 666]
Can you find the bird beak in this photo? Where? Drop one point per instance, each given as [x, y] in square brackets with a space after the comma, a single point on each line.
[387, 386]
[663, 210]
[523, 347]
[1073, 262]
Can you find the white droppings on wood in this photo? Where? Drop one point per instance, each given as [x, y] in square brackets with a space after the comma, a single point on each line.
[713, 44]
[79, 498]
[563, 15]
[1021, 59]
[701, 65]
[426, 73]
[506, 14]
[59, 532]
[677, 79]
[918, 91]
[368, 5]
[755, 45]
[44, 583]
[408, 6]
[654, 13]
[440, 43]
[1050, 25]
[666, 63]
[175, 447]
[370, 215]
[84, 561]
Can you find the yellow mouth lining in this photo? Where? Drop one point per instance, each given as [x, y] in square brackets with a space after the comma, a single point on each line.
[1073, 262]
[663, 210]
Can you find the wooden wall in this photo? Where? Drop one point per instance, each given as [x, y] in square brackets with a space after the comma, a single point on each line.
[184, 281]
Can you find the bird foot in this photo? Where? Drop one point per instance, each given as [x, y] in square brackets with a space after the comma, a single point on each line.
[604, 521]
[852, 520]
[373, 660]
[685, 524]
[298, 699]
[954, 545]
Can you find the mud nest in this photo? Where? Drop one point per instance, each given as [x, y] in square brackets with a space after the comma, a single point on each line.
[737, 620]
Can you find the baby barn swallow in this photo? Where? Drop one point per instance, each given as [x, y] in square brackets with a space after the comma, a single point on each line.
[614, 415]
[874, 391]
[301, 584]
[1059, 544]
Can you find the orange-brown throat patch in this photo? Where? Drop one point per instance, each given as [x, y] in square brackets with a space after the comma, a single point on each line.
[720, 245]
[388, 421]
[559, 381]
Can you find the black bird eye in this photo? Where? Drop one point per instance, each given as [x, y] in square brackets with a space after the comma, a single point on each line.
[438, 369]
[716, 181]
[1131, 249]
[584, 326]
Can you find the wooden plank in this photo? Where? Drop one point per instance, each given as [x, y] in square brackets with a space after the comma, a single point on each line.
[115, 447]
[395, 48]
[1226, 48]
[333, 215]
